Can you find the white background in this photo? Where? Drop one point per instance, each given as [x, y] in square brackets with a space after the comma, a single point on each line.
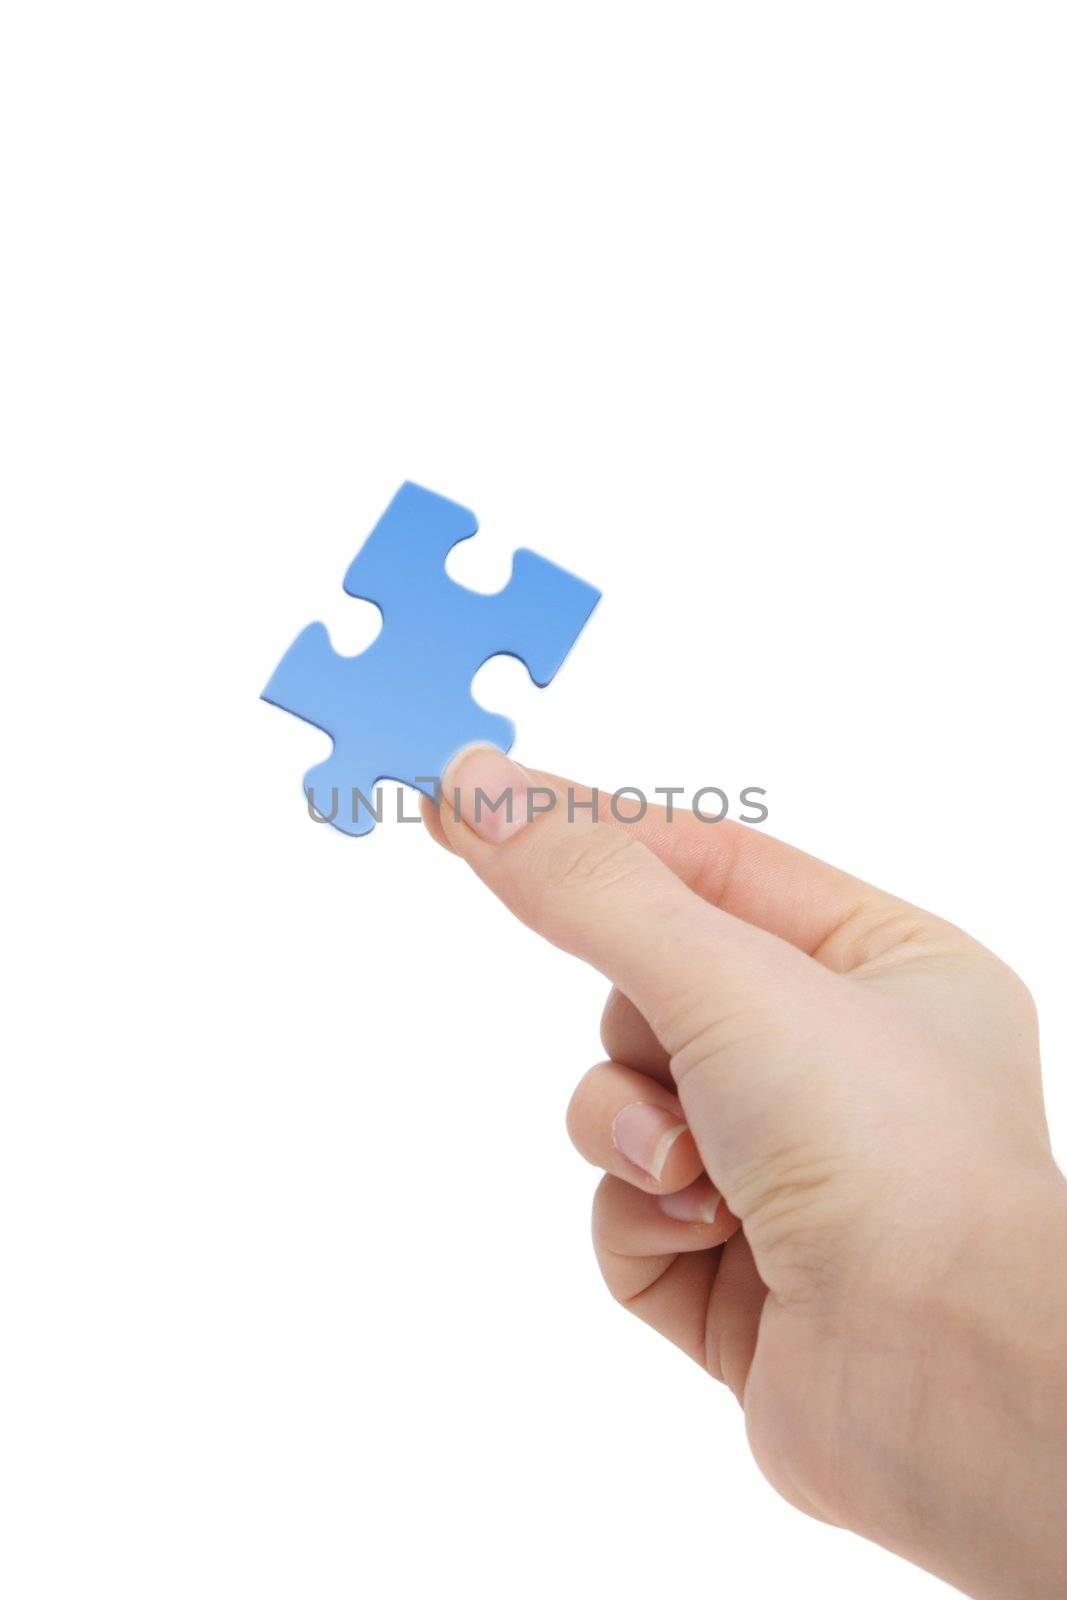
[752, 315]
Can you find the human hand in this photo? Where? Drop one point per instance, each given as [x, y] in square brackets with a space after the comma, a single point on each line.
[881, 1282]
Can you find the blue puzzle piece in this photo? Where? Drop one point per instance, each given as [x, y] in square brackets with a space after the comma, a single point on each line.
[403, 707]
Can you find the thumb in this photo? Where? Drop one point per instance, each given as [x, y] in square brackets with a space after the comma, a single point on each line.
[597, 892]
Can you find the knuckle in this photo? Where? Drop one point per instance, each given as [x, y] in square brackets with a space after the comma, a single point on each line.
[877, 930]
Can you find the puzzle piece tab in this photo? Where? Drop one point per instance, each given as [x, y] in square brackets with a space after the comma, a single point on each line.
[402, 708]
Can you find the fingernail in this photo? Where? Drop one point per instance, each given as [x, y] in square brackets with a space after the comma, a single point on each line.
[698, 1202]
[489, 792]
[645, 1135]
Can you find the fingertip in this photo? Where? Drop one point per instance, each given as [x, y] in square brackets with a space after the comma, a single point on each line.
[682, 1165]
[629, 1125]
[485, 794]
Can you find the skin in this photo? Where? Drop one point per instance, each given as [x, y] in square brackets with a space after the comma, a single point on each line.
[827, 1169]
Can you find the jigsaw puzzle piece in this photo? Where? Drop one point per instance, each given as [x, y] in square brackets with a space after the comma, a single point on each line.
[346, 797]
[538, 615]
[477, 727]
[379, 703]
[404, 554]
[405, 702]
[305, 679]
[342, 795]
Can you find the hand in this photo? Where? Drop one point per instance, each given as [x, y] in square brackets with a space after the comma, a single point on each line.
[828, 1170]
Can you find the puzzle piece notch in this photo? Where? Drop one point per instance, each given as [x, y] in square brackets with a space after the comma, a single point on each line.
[403, 707]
